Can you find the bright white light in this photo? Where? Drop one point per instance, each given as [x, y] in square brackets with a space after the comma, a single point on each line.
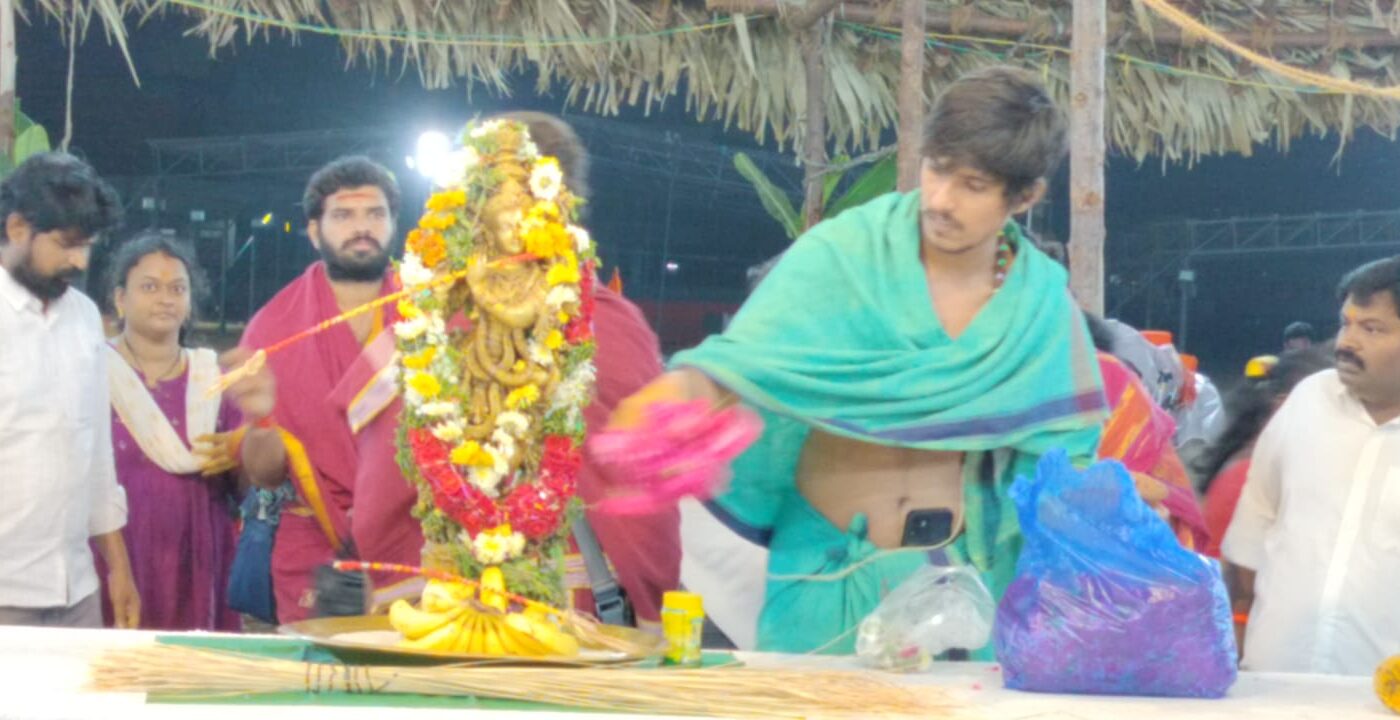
[673, 267]
[433, 143]
[431, 157]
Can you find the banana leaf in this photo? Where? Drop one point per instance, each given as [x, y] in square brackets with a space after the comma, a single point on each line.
[22, 122]
[33, 141]
[774, 200]
[30, 139]
[879, 179]
[830, 181]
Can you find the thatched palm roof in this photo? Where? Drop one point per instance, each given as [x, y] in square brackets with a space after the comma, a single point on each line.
[1167, 94]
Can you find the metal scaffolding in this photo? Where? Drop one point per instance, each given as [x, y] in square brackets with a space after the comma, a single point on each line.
[672, 203]
[1156, 266]
[611, 145]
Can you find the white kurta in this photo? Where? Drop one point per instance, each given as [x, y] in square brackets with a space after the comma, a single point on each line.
[1319, 520]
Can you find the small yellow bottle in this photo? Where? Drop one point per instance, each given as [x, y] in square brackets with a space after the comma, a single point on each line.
[683, 624]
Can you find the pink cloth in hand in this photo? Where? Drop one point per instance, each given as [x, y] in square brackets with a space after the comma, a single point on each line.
[681, 449]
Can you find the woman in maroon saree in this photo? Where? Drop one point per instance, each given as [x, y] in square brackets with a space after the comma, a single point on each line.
[176, 471]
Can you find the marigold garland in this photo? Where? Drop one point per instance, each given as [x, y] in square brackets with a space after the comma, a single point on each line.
[497, 367]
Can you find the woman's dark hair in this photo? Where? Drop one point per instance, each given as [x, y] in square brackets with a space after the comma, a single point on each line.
[1250, 406]
[134, 249]
[1099, 332]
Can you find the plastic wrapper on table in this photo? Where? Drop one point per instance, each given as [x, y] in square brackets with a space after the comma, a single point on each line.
[1105, 600]
[937, 609]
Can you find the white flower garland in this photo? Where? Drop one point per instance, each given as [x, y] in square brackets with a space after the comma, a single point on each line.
[425, 334]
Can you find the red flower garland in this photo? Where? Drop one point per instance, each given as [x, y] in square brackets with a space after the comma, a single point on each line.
[535, 509]
[559, 466]
[466, 505]
[585, 290]
[580, 328]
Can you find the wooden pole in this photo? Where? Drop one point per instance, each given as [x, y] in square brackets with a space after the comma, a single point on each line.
[1087, 147]
[911, 91]
[811, 41]
[811, 25]
[68, 102]
[7, 77]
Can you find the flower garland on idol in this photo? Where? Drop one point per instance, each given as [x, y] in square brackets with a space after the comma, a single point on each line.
[496, 367]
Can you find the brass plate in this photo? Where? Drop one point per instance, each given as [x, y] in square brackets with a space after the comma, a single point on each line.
[371, 639]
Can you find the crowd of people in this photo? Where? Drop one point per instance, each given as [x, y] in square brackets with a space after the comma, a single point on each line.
[910, 358]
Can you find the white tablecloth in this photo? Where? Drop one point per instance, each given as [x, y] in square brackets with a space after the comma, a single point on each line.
[43, 672]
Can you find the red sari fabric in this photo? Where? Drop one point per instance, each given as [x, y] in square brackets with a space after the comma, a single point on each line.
[1221, 499]
[1139, 435]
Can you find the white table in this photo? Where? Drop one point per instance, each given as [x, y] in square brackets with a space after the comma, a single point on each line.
[42, 674]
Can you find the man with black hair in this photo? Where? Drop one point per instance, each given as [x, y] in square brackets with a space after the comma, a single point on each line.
[1299, 336]
[1315, 539]
[59, 485]
[910, 358]
[298, 405]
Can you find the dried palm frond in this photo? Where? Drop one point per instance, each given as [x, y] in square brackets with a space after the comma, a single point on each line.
[1168, 94]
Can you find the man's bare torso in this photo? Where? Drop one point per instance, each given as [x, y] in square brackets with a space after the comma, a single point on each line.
[841, 477]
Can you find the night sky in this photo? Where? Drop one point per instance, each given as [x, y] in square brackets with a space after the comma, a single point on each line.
[279, 85]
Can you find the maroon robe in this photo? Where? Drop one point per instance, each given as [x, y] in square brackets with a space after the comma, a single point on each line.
[307, 373]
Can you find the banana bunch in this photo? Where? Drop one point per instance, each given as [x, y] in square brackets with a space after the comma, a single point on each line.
[457, 618]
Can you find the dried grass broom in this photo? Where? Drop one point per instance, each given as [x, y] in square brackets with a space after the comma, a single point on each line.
[172, 671]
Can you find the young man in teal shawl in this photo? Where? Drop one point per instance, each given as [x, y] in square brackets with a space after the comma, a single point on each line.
[910, 358]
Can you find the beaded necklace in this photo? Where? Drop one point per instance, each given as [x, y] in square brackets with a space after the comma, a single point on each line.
[1005, 254]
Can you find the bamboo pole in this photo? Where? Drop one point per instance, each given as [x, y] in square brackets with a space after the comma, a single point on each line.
[1087, 148]
[814, 141]
[72, 63]
[801, 17]
[911, 91]
[811, 25]
[7, 77]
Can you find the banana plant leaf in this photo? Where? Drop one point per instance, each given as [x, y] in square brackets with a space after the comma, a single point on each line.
[33, 141]
[774, 200]
[879, 179]
[831, 181]
[30, 139]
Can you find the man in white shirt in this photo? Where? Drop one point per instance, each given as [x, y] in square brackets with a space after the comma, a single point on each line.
[1319, 518]
[58, 485]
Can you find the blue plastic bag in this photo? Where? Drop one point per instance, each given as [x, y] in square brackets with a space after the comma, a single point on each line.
[1105, 600]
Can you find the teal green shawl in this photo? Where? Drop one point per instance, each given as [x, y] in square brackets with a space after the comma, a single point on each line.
[842, 336]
